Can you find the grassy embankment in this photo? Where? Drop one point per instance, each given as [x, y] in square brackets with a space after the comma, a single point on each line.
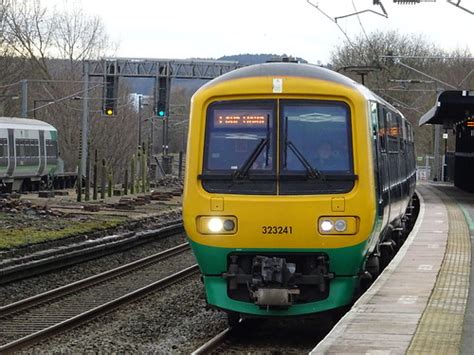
[14, 233]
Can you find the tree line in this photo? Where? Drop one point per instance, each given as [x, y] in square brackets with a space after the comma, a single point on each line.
[47, 46]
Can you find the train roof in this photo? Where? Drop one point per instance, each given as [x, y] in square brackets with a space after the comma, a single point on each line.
[25, 123]
[299, 70]
[287, 69]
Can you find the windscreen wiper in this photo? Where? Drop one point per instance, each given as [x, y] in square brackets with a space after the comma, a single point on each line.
[312, 172]
[244, 169]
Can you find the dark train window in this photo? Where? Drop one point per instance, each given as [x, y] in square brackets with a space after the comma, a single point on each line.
[3, 152]
[51, 151]
[315, 143]
[20, 147]
[235, 131]
[394, 131]
[27, 148]
[318, 132]
[382, 116]
[240, 147]
[27, 151]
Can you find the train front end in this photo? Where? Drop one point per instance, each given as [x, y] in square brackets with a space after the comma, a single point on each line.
[279, 203]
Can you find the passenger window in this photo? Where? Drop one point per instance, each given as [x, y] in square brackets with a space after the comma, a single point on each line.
[382, 129]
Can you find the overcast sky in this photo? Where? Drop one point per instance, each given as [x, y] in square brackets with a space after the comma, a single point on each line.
[214, 28]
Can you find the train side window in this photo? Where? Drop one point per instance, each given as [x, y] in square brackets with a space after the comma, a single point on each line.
[51, 150]
[410, 133]
[382, 129]
[401, 132]
[393, 132]
[3, 152]
[20, 148]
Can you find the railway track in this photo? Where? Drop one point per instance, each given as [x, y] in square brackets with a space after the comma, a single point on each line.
[46, 260]
[34, 319]
[253, 336]
[214, 343]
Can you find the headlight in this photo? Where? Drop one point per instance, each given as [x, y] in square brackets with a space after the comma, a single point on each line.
[340, 225]
[217, 224]
[337, 225]
[326, 225]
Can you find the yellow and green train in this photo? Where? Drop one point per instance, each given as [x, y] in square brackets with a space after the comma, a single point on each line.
[297, 180]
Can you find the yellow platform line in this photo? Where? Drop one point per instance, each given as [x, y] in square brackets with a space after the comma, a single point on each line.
[440, 328]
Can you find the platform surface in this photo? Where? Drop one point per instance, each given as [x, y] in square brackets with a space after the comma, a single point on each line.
[418, 303]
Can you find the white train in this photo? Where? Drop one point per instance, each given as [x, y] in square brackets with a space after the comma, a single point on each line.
[28, 153]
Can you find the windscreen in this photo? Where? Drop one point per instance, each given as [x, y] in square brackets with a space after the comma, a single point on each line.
[237, 132]
[316, 134]
[313, 154]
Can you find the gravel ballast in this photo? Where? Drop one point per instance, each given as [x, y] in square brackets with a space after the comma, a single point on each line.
[29, 287]
[173, 320]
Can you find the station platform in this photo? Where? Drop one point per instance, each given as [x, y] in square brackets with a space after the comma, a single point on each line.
[420, 303]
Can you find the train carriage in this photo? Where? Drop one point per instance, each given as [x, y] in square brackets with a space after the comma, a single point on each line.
[297, 181]
[28, 151]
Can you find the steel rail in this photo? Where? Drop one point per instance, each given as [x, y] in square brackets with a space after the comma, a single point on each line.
[100, 310]
[89, 281]
[213, 343]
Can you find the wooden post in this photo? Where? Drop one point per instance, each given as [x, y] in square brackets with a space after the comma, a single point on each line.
[111, 182]
[94, 192]
[143, 169]
[180, 166]
[102, 179]
[132, 175]
[79, 181]
[125, 187]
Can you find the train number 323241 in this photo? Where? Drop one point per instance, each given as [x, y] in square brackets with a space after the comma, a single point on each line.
[277, 229]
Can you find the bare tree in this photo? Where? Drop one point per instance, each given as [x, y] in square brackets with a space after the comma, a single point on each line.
[411, 91]
[28, 32]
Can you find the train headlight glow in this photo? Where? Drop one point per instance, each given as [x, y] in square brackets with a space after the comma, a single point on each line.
[326, 225]
[216, 224]
[338, 225]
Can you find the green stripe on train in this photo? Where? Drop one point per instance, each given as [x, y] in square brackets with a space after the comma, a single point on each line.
[342, 261]
[341, 293]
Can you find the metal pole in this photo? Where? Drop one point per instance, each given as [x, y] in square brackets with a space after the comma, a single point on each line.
[166, 135]
[87, 181]
[445, 162]
[85, 120]
[164, 138]
[24, 98]
[436, 165]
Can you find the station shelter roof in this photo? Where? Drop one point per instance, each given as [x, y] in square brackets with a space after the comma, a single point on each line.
[452, 107]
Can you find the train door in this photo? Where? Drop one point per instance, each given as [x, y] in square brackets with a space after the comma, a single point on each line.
[383, 163]
[42, 153]
[376, 153]
[403, 162]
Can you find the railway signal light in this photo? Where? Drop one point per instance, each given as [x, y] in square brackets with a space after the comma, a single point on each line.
[109, 111]
[109, 106]
[161, 110]
[162, 85]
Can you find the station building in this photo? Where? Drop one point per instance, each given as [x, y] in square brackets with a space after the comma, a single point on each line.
[454, 109]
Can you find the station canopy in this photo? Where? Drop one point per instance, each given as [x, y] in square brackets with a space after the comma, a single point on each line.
[452, 107]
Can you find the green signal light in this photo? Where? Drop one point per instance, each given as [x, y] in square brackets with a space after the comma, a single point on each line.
[161, 113]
